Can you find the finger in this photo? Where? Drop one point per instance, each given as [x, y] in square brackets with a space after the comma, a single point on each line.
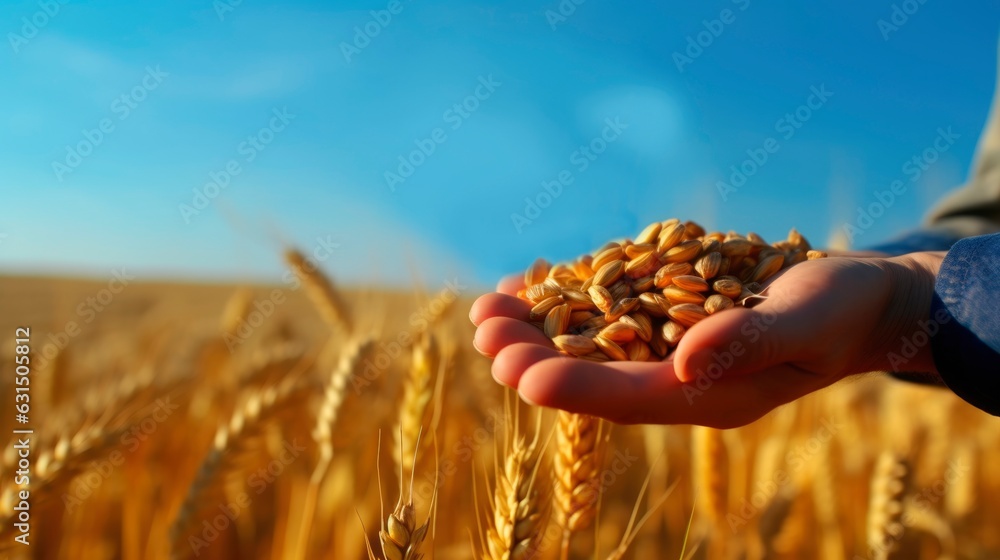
[498, 332]
[737, 342]
[610, 390]
[498, 305]
[643, 392]
[511, 284]
[740, 341]
[512, 361]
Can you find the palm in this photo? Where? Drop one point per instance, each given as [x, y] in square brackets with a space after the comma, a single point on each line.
[813, 327]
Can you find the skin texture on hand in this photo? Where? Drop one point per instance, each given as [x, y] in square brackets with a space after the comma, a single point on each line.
[821, 320]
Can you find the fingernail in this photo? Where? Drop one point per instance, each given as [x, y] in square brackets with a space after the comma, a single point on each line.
[476, 346]
[526, 399]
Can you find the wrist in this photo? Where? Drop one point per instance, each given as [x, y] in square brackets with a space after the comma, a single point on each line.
[905, 337]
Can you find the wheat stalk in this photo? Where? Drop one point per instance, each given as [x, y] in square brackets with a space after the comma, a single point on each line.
[327, 300]
[333, 398]
[230, 443]
[399, 536]
[575, 487]
[921, 517]
[890, 480]
[235, 312]
[55, 468]
[516, 526]
[709, 475]
[418, 390]
[326, 418]
[961, 496]
[633, 528]
[827, 510]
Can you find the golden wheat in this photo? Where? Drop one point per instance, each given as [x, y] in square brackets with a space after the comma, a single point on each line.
[708, 466]
[699, 274]
[418, 388]
[518, 514]
[885, 510]
[326, 299]
[168, 477]
[576, 487]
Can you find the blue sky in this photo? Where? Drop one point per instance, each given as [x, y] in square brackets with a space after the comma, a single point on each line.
[203, 81]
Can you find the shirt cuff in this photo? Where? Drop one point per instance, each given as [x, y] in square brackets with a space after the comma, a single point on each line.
[965, 312]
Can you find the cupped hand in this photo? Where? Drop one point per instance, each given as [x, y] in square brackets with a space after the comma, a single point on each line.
[820, 321]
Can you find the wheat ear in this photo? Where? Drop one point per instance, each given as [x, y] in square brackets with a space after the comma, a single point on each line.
[236, 311]
[230, 444]
[885, 507]
[575, 488]
[518, 517]
[326, 418]
[826, 507]
[418, 390]
[400, 536]
[319, 288]
[709, 474]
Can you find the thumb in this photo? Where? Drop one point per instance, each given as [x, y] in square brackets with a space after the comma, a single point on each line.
[742, 340]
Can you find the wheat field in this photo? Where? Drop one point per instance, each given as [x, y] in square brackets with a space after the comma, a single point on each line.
[310, 421]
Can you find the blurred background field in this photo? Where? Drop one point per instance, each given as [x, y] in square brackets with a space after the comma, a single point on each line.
[417, 151]
[798, 483]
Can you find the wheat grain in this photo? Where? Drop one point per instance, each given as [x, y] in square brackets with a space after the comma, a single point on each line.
[698, 276]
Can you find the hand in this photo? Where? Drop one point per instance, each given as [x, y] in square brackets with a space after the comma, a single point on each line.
[822, 320]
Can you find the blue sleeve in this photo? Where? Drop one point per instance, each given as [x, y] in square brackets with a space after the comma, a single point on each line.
[966, 307]
[918, 241]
